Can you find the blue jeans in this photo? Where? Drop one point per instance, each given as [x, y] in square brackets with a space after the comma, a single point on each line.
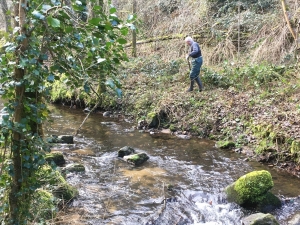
[196, 66]
[195, 72]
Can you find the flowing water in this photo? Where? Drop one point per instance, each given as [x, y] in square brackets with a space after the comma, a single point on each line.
[182, 182]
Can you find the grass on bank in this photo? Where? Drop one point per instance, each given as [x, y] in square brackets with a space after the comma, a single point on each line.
[249, 105]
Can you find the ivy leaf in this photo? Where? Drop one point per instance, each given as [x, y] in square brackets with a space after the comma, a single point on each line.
[110, 83]
[50, 78]
[119, 92]
[53, 22]
[86, 88]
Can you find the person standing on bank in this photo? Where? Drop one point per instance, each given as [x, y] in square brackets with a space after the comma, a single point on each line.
[195, 54]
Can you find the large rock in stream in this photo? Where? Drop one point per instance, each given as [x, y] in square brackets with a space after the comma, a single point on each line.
[62, 139]
[125, 151]
[136, 159]
[55, 157]
[252, 191]
[260, 219]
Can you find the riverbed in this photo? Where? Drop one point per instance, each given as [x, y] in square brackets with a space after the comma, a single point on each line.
[181, 183]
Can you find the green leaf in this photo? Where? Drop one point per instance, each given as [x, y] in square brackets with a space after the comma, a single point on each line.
[112, 10]
[95, 21]
[68, 29]
[122, 41]
[53, 22]
[124, 30]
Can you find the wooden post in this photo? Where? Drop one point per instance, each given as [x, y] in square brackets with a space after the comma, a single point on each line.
[134, 32]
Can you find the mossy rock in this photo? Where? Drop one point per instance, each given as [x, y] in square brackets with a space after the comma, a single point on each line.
[152, 120]
[260, 219]
[136, 159]
[43, 206]
[60, 188]
[225, 144]
[65, 191]
[56, 157]
[74, 167]
[251, 188]
[63, 139]
[269, 203]
[125, 151]
[47, 175]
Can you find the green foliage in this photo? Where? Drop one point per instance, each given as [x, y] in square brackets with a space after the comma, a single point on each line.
[53, 39]
[267, 137]
[43, 206]
[233, 6]
[225, 144]
[258, 76]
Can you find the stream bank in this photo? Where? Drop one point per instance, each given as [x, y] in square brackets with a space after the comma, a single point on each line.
[259, 116]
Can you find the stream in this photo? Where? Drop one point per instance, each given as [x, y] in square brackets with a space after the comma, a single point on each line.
[182, 182]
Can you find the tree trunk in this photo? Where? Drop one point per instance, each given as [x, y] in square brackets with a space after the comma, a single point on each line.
[16, 195]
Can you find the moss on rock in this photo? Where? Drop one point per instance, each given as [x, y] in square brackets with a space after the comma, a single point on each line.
[60, 188]
[65, 191]
[250, 188]
[225, 144]
[260, 219]
[136, 159]
[268, 203]
[56, 157]
[43, 205]
[74, 167]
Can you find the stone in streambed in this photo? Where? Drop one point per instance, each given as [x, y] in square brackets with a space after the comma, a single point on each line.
[136, 159]
[125, 151]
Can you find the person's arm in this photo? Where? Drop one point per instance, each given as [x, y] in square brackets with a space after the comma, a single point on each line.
[195, 50]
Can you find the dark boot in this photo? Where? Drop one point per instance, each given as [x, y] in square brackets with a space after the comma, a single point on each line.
[191, 86]
[198, 81]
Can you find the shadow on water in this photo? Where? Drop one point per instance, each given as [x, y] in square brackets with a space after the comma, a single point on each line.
[181, 183]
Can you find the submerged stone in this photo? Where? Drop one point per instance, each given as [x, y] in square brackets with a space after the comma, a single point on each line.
[136, 159]
[260, 219]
